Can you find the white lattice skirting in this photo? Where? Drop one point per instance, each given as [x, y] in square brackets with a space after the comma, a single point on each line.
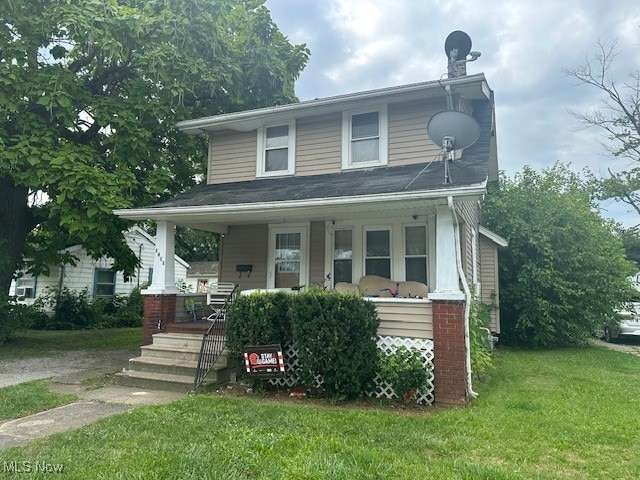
[383, 389]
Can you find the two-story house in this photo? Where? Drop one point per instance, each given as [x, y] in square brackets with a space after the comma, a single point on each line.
[331, 190]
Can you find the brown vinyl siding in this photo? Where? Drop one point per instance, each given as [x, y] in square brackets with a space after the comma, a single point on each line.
[489, 278]
[399, 319]
[469, 213]
[316, 254]
[408, 139]
[319, 145]
[245, 244]
[232, 156]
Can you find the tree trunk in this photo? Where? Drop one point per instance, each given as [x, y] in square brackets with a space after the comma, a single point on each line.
[16, 221]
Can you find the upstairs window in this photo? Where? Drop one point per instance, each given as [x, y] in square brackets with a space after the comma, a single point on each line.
[276, 150]
[364, 138]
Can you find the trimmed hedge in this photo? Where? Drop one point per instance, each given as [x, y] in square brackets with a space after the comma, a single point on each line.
[335, 335]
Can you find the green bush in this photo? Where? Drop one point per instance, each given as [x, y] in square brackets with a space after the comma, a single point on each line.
[73, 310]
[335, 335]
[405, 370]
[479, 337]
[13, 318]
[258, 319]
[120, 311]
[336, 339]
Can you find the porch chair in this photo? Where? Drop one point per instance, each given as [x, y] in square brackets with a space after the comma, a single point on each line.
[218, 298]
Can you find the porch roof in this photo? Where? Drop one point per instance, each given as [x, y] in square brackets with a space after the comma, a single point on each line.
[343, 195]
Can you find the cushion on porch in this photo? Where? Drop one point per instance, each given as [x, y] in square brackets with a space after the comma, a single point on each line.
[413, 290]
[373, 285]
[343, 287]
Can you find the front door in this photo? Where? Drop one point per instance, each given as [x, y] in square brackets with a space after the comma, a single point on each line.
[288, 253]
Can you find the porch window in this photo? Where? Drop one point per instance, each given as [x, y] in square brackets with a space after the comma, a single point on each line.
[276, 150]
[343, 256]
[365, 138]
[104, 282]
[378, 253]
[288, 257]
[415, 248]
[26, 287]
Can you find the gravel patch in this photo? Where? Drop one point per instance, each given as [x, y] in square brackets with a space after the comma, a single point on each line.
[22, 370]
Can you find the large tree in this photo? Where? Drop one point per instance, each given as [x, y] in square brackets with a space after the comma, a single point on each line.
[565, 270]
[618, 118]
[90, 91]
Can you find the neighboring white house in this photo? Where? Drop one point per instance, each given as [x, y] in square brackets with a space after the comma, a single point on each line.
[201, 276]
[96, 275]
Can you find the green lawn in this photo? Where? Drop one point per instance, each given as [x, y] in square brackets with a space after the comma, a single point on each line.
[26, 398]
[543, 415]
[39, 343]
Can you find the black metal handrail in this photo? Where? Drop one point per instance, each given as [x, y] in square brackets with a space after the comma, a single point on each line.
[213, 342]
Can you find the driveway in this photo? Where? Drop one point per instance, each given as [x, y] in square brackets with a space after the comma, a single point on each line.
[629, 347]
[22, 370]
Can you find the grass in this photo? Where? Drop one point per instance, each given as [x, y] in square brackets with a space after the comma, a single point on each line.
[40, 343]
[26, 398]
[541, 415]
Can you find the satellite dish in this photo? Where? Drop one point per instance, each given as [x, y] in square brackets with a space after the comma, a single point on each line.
[460, 41]
[453, 130]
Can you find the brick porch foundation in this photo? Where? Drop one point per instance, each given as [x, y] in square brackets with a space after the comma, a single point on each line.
[450, 382]
[159, 310]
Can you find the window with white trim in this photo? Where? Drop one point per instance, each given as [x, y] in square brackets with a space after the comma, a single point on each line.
[104, 282]
[276, 150]
[415, 253]
[364, 138]
[343, 256]
[377, 258]
[26, 287]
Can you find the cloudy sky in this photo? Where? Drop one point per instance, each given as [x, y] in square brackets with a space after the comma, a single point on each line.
[366, 44]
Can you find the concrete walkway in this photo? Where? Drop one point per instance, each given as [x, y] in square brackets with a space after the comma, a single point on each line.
[91, 406]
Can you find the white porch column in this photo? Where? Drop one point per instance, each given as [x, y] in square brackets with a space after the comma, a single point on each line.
[447, 286]
[163, 280]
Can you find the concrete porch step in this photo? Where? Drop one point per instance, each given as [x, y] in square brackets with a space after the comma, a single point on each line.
[169, 382]
[170, 352]
[163, 365]
[187, 340]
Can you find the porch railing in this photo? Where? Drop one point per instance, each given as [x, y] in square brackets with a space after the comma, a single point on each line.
[213, 342]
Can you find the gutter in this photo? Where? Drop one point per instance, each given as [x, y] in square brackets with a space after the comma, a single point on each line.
[467, 292]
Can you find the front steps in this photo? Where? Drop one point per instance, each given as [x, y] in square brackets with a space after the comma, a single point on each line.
[170, 363]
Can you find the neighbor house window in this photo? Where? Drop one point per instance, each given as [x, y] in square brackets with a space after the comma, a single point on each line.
[104, 284]
[415, 253]
[364, 138]
[377, 259]
[276, 150]
[26, 287]
[343, 256]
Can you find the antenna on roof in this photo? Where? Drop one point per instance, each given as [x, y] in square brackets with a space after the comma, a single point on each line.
[457, 46]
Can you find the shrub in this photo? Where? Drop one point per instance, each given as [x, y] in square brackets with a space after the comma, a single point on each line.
[480, 337]
[336, 339]
[14, 318]
[120, 311]
[258, 319]
[405, 370]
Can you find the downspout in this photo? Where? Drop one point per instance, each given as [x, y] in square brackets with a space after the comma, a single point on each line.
[467, 292]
